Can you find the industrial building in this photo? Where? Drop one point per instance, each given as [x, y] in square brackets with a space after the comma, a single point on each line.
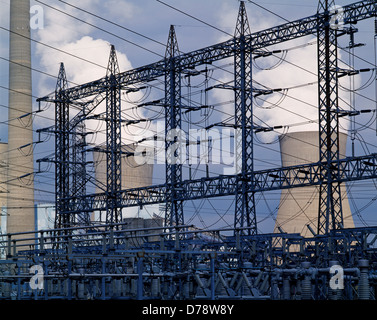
[116, 234]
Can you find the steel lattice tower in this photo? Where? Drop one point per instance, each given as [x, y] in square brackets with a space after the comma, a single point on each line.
[113, 140]
[244, 215]
[62, 146]
[330, 207]
[174, 206]
[328, 173]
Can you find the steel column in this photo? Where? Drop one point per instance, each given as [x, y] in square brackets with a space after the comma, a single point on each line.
[330, 205]
[78, 178]
[113, 140]
[62, 219]
[245, 206]
[173, 143]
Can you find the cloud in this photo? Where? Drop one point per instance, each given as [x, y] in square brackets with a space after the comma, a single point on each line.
[299, 106]
[120, 10]
[295, 70]
[82, 64]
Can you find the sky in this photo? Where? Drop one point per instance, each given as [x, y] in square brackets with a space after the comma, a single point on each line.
[139, 32]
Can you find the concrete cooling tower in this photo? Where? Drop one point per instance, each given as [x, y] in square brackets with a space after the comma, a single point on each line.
[299, 206]
[20, 187]
[133, 175]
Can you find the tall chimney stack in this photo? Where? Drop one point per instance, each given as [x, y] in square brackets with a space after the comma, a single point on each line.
[20, 202]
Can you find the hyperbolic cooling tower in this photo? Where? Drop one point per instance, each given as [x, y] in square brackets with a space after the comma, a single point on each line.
[20, 202]
[133, 174]
[299, 206]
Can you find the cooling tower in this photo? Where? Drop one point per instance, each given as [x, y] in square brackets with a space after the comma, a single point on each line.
[133, 175]
[299, 206]
[20, 202]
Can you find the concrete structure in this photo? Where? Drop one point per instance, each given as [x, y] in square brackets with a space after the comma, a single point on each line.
[20, 202]
[133, 176]
[154, 222]
[299, 206]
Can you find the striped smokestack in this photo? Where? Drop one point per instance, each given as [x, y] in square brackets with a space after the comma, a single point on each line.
[20, 202]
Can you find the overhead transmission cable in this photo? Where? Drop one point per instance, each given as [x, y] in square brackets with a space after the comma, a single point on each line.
[99, 28]
[113, 23]
[54, 48]
[197, 19]
[264, 8]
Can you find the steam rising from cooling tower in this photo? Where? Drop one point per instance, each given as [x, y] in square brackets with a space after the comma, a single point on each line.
[20, 202]
[299, 206]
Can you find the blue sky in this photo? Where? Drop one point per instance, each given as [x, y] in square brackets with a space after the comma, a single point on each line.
[152, 19]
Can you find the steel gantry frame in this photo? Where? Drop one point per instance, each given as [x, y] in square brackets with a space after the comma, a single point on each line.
[62, 147]
[244, 214]
[330, 199]
[113, 141]
[173, 161]
[246, 182]
[178, 261]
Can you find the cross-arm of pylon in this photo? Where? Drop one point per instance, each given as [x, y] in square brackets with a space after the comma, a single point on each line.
[302, 27]
[351, 168]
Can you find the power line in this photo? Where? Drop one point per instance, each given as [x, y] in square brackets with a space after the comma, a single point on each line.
[54, 48]
[99, 28]
[264, 8]
[113, 23]
[165, 4]
[197, 19]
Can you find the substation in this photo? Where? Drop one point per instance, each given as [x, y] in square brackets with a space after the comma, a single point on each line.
[109, 258]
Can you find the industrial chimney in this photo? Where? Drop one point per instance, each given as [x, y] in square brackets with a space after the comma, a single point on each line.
[20, 186]
[299, 206]
[3, 188]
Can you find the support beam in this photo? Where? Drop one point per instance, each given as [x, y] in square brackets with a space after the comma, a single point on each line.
[63, 219]
[244, 215]
[262, 39]
[352, 169]
[113, 140]
[174, 205]
[330, 214]
[78, 165]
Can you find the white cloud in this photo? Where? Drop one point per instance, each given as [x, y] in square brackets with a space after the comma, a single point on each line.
[59, 28]
[301, 103]
[120, 10]
[73, 37]
[298, 68]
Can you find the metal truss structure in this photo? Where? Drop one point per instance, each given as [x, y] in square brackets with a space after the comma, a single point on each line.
[248, 181]
[190, 264]
[183, 263]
